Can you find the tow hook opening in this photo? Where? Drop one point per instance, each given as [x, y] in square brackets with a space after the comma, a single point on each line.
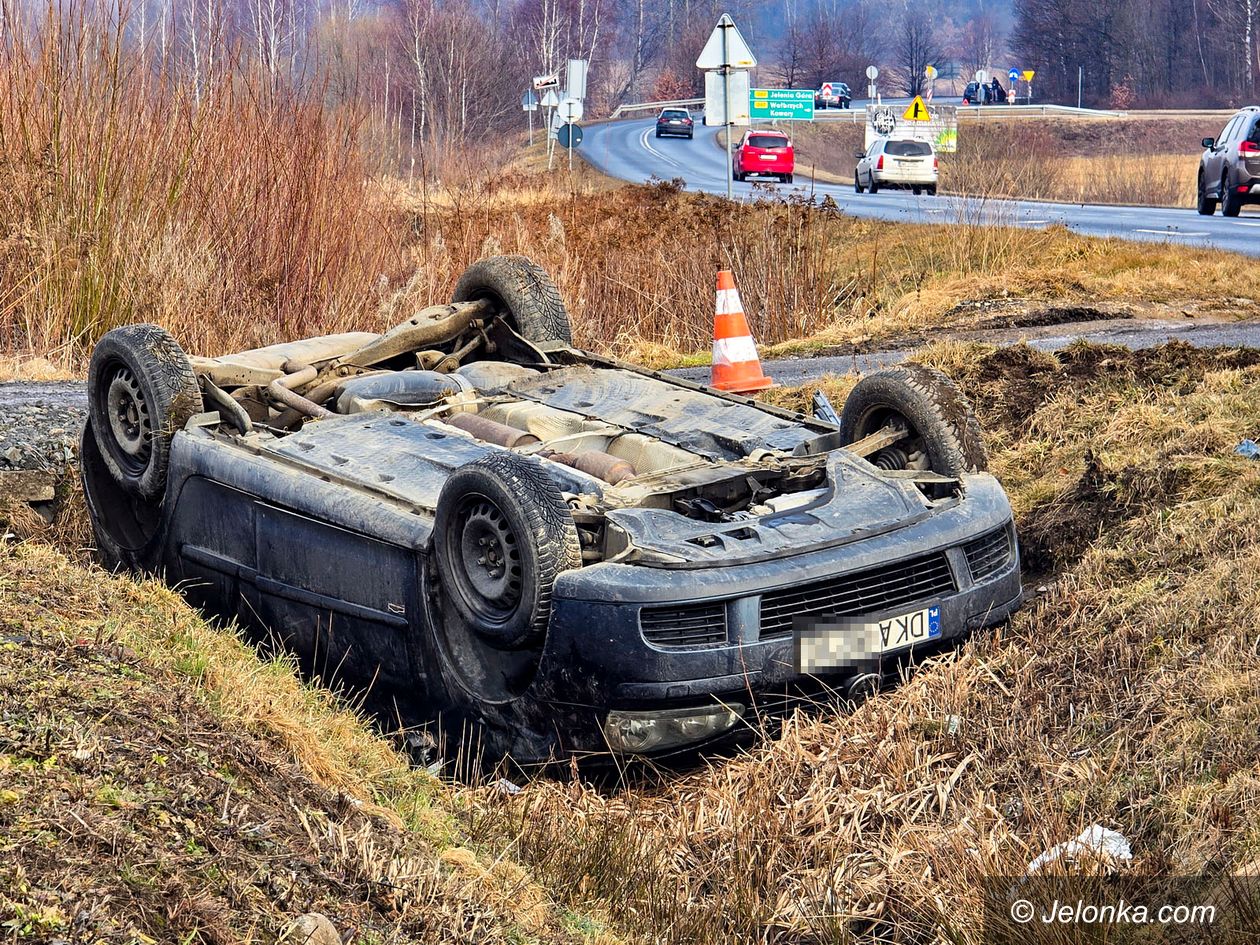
[632, 733]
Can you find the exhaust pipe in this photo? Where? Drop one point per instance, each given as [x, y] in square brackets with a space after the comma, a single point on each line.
[862, 687]
[491, 431]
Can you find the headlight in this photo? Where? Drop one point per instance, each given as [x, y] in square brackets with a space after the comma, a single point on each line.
[637, 732]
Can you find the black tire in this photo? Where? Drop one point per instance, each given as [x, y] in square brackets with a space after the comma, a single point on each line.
[857, 184]
[126, 528]
[658, 134]
[917, 191]
[1206, 205]
[141, 391]
[944, 435]
[501, 537]
[932, 191]
[789, 178]
[874, 185]
[1231, 206]
[523, 291]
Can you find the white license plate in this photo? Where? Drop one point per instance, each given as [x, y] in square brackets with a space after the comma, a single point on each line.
[767, 157]
[840, 642]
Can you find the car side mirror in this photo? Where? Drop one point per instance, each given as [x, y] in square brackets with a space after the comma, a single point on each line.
[1209, 142]
[859, 154]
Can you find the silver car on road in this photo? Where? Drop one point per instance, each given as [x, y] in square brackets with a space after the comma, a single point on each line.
[896, 162]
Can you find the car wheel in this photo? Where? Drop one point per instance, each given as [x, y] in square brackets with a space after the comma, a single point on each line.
[874, 185]
[1206, 205]
[141, 391]
[857, 183]
[523, 291]
[501, 537]
[1230, 204]
[917, 190]
[789, 178]
[942, 432]
[932, 191]
[658, 134]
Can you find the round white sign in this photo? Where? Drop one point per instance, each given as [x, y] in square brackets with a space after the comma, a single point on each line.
[982, 76]
[872, 72]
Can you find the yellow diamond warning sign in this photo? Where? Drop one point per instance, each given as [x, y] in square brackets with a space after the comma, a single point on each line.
[917, 111]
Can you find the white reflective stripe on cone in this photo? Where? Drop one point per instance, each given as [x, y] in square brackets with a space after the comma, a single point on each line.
[728, 302]
[734, 350]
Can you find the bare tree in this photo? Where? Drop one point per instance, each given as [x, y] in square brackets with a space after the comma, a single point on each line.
[978, 44]
[916, 46]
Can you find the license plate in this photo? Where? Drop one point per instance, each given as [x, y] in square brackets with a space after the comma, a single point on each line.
[675, 121]
[840, 643]
[898, 633]
[767, 157]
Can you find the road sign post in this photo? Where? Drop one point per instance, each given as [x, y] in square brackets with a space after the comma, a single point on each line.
[549, 101]
[529, 104]
[781, 104]
[872, 73]
[726, 51]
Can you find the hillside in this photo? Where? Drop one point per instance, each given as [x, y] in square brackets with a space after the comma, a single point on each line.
[160, 782]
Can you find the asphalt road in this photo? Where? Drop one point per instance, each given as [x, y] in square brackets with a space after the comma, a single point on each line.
[630, 151]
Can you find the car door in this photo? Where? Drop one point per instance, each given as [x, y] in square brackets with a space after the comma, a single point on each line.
[1214, 159]
[340, 599]
[872, 155]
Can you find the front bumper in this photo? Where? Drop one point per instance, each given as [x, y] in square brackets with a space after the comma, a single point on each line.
[600, 657]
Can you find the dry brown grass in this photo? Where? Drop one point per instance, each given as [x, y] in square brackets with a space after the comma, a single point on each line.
[1128, 695]
[129, 195]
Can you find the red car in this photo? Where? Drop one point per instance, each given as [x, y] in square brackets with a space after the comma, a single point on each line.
[765, 154]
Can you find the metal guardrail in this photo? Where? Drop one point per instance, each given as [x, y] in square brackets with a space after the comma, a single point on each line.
[639, 106]
[1069, 111]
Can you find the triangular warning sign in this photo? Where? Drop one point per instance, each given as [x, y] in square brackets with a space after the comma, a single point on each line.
[726, 47]
[917, 111]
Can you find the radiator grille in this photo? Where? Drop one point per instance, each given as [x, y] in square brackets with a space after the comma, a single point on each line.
[685, 625]
[866, 592]
[990, 553]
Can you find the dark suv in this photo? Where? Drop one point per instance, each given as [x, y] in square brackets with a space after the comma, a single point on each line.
[1229, 170]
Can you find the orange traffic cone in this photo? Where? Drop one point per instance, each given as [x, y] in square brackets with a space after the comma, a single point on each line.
[736, 367]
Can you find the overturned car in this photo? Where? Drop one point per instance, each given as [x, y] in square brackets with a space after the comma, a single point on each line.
[540, 551]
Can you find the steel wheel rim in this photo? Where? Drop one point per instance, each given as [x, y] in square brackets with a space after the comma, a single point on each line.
[130, 422]
[488, 563]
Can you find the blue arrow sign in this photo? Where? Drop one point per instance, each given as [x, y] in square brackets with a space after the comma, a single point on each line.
[1014, 75]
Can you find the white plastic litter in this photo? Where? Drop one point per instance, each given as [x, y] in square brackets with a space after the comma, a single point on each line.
[1105, 845]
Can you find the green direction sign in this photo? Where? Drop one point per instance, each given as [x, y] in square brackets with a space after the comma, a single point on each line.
[781, 104]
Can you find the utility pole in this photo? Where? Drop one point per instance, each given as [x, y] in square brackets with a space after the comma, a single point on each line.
[726, 26]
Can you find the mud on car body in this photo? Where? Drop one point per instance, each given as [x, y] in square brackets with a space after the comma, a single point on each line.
[540, 551]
